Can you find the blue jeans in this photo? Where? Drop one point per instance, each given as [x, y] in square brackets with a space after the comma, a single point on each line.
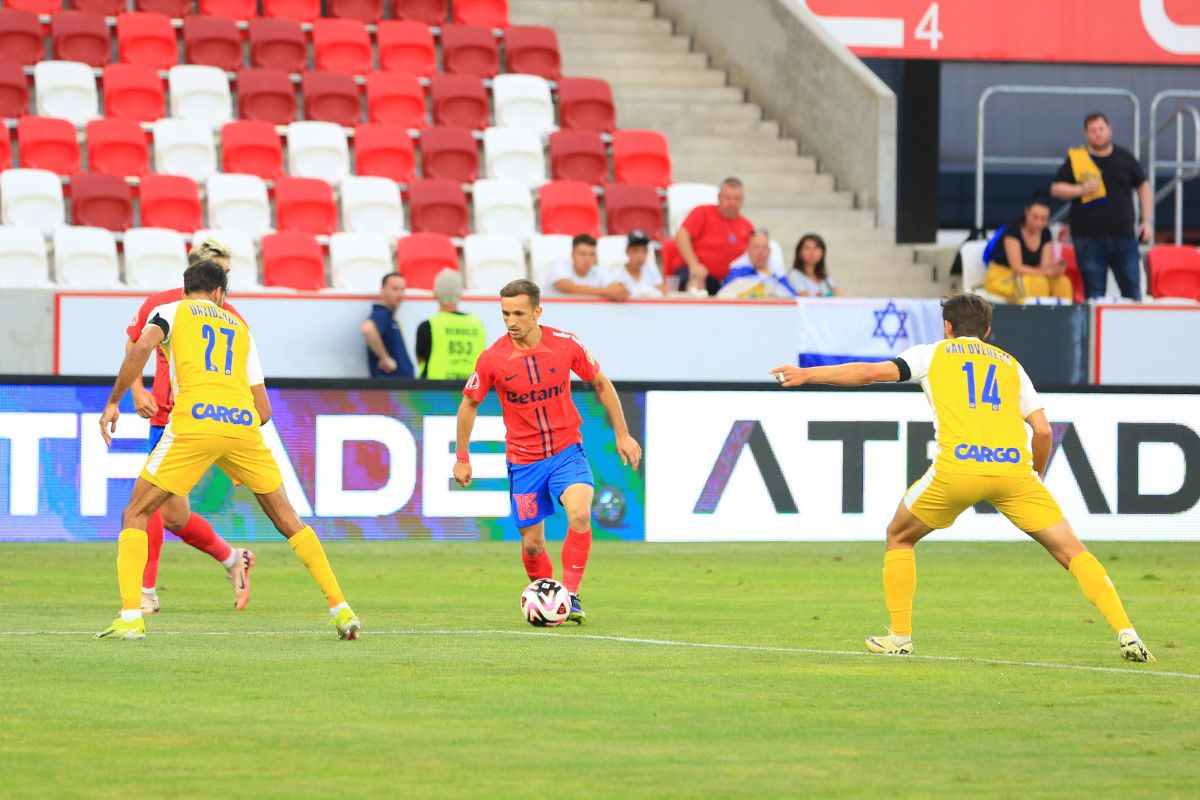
[1096, 255]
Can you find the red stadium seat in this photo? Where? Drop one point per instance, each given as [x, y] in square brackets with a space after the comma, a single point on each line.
[21, 36]
[293, 261]
[492, 13]
[213, 42]
[133, 92]
[363, 10]
[305, 205]
[171, 8]
[101, 201]
[35, 6]
[14, 90]
[469, 50]
[80, 36]
[1073, 273]
[277, 44]
[533, 50]
[47, 143]
[107, 8]
[299, 10]
[229, 9]
[438, 207]
[5, 150]
[170, 201]
[117, 147]
[1174, 271]
[384, 151]
[421, 256]
[146, 39]
[429, 12]
[586, 104]
[641, 157]
[331, 97]
[406, 46]
[266, 94]
[342, 45]
[578, 156]
[251, 147]
[569, 207]
[629, 207]
[459, 101]
[396, 99]
[449, 154]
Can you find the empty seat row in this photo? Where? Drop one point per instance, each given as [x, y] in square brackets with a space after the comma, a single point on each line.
[491, 13]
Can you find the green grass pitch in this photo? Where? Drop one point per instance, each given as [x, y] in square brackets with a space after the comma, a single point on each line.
[451, 694]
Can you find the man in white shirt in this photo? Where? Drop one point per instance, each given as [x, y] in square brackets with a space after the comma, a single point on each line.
[640, 274]
[581, 276]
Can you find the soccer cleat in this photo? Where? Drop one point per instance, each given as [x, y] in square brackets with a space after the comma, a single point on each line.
[577, 615]
[347, 624]
[150, 603]
[889, 646]
[120, 629]
[239, 576]
[1133, 649]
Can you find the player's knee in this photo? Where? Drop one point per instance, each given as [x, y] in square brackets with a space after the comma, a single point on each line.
[580, 519]
[533, 549]
[174, 519]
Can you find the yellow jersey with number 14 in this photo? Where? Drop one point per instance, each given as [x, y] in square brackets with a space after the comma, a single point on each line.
[980, 397]
[214, 362]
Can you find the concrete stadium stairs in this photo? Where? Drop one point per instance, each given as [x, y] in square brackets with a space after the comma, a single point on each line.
[662, 83]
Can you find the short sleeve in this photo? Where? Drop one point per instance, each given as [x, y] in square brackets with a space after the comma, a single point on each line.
[480, 382]
[138, 324]
[160, 317]
[1065, 173]
[557, 271]
[1029, 400]
[582, 362]
[916, 359]
[1137, 175]
[650, 274]
[694, 221]
[254, 370]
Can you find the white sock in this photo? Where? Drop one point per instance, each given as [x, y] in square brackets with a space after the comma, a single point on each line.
[233, 557]
[150, 592]
[335, 610]
[1130, 631]
[130, 616]
[898, 639]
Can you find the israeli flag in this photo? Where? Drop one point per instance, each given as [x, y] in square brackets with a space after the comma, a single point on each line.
[862, 329]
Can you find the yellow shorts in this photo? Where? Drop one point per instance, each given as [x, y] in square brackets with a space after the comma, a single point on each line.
[938, 499]
[178, 462]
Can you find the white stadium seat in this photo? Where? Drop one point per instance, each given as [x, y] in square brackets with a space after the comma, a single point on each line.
[610, 252]
[523, 101]
[184, 148]
[683, 197]
[513, 154]
[155, 258]
[503, 207]
[86, 258]
[544, 250]
[67, 90]
[243, 271]
[239, 203]
[372, 205]
[31, 198]
[200, 94]
[318, 150]
[974, 270]
[24, 263]
[491, 261]
[358, 261]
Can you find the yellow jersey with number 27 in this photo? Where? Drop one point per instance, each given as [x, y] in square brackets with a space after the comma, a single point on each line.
[980, 397]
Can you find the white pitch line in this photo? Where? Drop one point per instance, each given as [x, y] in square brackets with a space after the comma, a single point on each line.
[660, 643]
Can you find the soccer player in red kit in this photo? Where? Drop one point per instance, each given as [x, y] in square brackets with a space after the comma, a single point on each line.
[176, 514]
[531, 370]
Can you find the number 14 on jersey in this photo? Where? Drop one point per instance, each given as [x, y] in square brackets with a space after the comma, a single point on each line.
[991, 392]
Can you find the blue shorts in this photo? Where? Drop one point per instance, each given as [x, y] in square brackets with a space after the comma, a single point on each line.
[533, 488]
[156, 432]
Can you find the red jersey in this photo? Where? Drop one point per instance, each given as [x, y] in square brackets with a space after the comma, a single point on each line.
[716, 240]
[161, 390]
[534, 387]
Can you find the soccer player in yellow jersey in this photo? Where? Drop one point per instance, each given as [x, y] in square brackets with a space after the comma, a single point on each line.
[982, 401]
[220, 403]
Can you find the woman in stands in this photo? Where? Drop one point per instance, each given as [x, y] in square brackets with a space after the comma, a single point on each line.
[1026, 244]
[809, 276]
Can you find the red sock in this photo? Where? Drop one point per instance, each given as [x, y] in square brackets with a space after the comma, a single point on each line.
[574, 557]
[200, 534]
[154, 540]
[539, 566]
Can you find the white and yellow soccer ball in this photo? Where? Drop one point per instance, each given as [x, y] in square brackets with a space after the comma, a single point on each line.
[545, 603]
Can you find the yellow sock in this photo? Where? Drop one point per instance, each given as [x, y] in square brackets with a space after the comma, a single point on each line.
[131, 563]
[1099, 590]
[308, 549]
[899, 586]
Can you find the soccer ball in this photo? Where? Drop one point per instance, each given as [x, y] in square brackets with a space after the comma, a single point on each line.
[545, 603]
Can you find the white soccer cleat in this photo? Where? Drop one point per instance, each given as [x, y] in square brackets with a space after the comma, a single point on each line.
[888, 646]
[1132, 648]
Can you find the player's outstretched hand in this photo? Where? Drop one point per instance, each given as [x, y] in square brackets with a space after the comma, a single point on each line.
[462, 473]
[790, 376]
[144, 403]
[108, 423]
[630, 450]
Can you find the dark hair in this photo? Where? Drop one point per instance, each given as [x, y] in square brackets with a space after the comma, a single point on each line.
[1038, 198]
[968, 314]
[384, 281]
[524, 287]
[798, 262]
[204, 276]
[732, 183]
[583, 238]
[1092, 117]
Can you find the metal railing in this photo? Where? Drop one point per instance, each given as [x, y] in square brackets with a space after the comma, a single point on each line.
[1184, 170]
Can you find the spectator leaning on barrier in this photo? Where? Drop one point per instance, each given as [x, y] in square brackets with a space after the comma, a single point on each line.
[809, 275]
[387, 357]
[640, 274]
[1099, 179]
[582, 276]
[449, 342]
[1026, 244]
[711, 237]
[757, 279]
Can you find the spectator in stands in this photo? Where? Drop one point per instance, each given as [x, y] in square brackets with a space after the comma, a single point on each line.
[1023, 264]
[711, 238]
[1099, 179]
[387, 357]
[757, 279]
[449, 342]
[581, 275]
[640, 274]
[809, 276]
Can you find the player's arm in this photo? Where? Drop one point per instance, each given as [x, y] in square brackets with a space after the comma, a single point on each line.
[1043, 438]
[258, 383]
[856, 373]
[468, 409]
[627, 447]
[136, 357]
[143, 400]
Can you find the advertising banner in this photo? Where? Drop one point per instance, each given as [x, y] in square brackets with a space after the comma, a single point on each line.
[1152, 343]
